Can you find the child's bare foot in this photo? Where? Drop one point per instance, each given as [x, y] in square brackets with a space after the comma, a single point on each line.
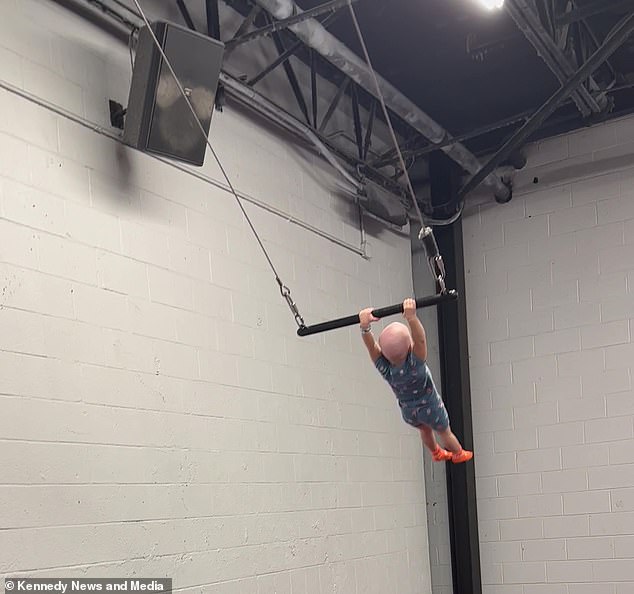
[440, 455]
[461, 456]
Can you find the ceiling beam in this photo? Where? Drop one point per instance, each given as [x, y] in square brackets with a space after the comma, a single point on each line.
[598, 7]
[529, 22]
[333, 50]
[331, 6]
[614, 40]
[213, 18]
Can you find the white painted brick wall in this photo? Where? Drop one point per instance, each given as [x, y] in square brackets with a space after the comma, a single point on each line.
[555, 304]
[159, 415]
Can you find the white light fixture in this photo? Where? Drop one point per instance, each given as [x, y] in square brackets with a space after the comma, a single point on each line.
[491, 4]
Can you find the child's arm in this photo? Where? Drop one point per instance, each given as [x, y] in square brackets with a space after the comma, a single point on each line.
[416, 328]
[365, 320]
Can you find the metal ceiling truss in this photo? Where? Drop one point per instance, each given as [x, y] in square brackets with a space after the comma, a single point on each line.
[535, 21]
[300, 33]
[408, 116]
[558, 29]
[562, 36]
[615, 39]
[572, 14]
[360, 160]
[328, 7]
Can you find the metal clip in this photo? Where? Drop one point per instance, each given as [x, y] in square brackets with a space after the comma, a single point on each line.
[437, 267]
[286, 293]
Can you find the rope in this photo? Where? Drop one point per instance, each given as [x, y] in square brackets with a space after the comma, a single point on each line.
[284, 290]
[425, 234]
[379, 94]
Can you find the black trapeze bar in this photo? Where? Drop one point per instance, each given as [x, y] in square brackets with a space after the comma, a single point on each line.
[378, 313]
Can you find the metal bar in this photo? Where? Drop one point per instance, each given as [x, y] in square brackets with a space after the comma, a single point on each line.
[246, 23]
[292, 78]
[425, 150]
[590, 33]
[279, 60]
[369, 130]
[286, 55]
[331, 6]
[356, 118]
[378, 313]
[213, 19]
[334, 103]
[390, 156]
[613, 41]
[315, 36]
[324, 146]
[530, 25]
[313, 85]
[186, 16]
[585, 12]
[264, 107]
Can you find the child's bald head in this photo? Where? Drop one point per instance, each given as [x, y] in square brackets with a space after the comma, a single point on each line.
[395, 342]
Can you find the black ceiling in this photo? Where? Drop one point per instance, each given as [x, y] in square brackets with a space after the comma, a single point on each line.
[468, 67]
[476, 72]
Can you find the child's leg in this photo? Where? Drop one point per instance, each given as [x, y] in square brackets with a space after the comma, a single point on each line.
[429, 439]
[450, 441]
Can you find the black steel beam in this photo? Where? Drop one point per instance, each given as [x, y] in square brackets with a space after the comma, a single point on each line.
[313, 85]
[334, 103]
[356, 118]
[454, 363]
[390, 159]
[331, 6]
[530, 24]
[595, 44]
[213, 18]
[585, 12]
[613, 41]
[186, 16]
[391, 155]
[246, 23]
[369, 129]
[292, 78]
[285, 56]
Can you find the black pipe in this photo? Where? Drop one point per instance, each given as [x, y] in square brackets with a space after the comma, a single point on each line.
[383, 312]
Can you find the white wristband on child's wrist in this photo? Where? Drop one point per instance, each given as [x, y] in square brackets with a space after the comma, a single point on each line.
[366, 330]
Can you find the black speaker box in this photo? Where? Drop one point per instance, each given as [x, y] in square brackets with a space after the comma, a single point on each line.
[158, 119]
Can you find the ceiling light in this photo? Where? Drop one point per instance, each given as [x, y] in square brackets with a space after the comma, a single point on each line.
[491, 4]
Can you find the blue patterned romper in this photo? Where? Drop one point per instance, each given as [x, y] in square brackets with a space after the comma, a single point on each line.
[416, 393]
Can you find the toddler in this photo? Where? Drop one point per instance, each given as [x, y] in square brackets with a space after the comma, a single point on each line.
[400, 356]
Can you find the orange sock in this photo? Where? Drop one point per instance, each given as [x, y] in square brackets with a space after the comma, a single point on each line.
[461, 456]
[440, 455]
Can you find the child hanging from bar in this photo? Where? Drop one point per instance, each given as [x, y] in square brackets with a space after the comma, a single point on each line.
[400, 356]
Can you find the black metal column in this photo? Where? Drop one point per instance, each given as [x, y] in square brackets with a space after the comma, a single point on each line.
[213, 18]
[454, 364]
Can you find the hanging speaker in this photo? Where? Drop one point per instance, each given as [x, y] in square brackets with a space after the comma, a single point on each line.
[158, 119]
